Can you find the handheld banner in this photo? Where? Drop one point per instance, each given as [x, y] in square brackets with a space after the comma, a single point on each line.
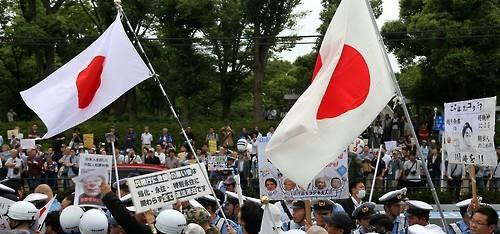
[217, 163]
[331, 183]
[155, 190]
[88, 140]
[94, 169]
[469, 131]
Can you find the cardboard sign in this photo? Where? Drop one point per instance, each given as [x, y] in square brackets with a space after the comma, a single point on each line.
[390, 145]
[331, 183]
[13, 132]
[88, 140]
[217, 163]
[94, 169]
[28, 144]
[469, 131]
[212, 146]
[156, 190]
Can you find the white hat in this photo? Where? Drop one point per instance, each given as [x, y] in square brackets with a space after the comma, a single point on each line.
[170, 221]
[194, 228]
[94, 221]
[393, 196]
[419, 205]
[466, 202]
[22, 211]
[33, 197]
[295, 231]
[70, 219]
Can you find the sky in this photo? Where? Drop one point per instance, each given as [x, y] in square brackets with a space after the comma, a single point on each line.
[310, 22]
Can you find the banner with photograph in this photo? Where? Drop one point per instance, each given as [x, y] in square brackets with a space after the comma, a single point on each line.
[469, 131]
[4, 207]
[331, 183]
[94, 169]
[155, 190]
[217, 163]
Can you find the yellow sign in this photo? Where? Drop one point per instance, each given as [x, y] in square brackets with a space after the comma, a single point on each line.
[212, 146]
[88, 140]
[13, 132]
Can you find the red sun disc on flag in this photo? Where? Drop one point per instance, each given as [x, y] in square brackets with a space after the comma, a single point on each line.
[88, 81]
[348, 87]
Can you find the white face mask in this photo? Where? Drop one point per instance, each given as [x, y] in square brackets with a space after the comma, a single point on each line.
[361, 194]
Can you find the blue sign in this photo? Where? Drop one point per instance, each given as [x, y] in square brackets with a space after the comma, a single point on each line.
[438, 123]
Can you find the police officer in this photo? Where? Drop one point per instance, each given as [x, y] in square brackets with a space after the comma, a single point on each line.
[210, 204]
[298, 217]
[392, 206]
[462, 226]
[323, 208]
[418, 214]
[362, 214]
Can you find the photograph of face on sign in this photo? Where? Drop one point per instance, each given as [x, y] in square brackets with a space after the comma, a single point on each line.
[330, 183]
[87, 187]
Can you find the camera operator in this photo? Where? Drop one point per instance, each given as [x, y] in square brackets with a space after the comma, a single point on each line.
[412, 171]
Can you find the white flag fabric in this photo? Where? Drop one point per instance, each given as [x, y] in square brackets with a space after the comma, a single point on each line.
[271, 220]
[352, 84]
[42, 214]
[88, 83]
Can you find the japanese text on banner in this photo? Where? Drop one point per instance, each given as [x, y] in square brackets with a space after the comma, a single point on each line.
[158, 189]
[470, 130]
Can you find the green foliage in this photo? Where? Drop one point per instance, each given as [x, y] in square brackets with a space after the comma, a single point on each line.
[447, 49]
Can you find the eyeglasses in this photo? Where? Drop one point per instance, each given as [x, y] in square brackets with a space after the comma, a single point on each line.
[477, 222]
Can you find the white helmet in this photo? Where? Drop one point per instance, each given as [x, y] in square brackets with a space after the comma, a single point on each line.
[295, 231]
[70, 219]
[170, 222]
[22, 211]
[94, 221]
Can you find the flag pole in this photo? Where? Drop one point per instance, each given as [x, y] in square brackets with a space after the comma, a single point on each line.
[120, 9]
[407, 115]
[116, 169]
[375, 173]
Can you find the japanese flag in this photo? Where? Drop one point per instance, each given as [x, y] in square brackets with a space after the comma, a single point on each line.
[352, 84]
[88, 83]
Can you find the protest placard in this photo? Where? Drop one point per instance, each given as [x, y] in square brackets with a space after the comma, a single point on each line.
[94, 169]
[390, 145]
[88, 140]
[28, 143]
[4, 207]
[331, 183]
[217, 163]
[212, 146]
[155, 190]
[469, 131]
[13, 133]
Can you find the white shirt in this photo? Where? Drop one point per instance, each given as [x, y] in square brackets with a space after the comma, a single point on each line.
[458, 170]
[146, 138]
[418, 164]
[161, 156]
[496, 170]
[10, 171]
[356, 203]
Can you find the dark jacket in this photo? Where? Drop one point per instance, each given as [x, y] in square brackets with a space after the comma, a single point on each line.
[348, 205]
[122, 216]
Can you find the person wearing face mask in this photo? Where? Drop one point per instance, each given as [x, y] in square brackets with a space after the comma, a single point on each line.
[357, 193]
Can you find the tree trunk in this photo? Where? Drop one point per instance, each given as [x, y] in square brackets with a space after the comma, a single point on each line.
[132, 105]
[259, 69]
[226, 108]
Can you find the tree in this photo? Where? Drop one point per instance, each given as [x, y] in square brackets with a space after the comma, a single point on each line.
[231, 51]
[448, 51]
[267, 18]
[188, 70]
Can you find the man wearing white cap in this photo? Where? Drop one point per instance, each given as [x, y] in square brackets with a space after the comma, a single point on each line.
[462, 226]
[392, 206]
[418, 214]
